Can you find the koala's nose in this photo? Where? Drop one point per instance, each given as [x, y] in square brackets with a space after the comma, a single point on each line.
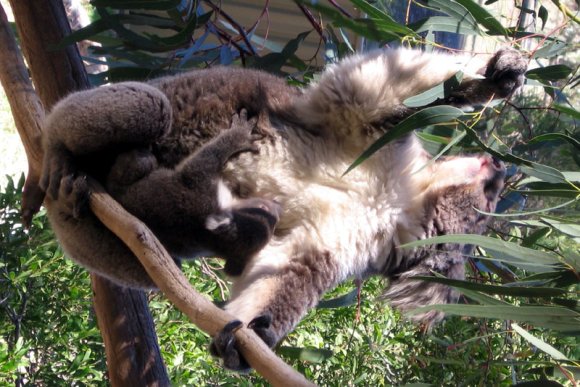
[498, 165]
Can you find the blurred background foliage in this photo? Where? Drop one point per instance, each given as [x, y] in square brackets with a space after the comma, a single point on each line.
[519, 320]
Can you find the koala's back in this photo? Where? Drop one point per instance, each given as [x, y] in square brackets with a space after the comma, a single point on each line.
[204, 101]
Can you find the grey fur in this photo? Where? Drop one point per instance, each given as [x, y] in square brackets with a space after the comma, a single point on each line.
[331, 227]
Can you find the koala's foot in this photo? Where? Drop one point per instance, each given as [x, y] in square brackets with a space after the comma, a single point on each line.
[74, 195]
[57, 164]
[224, 344]
[506, 69]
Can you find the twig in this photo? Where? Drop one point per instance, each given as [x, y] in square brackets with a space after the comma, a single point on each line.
[234, 24]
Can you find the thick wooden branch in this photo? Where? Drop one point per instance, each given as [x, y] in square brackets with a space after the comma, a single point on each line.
[28, 113]
[172, 282]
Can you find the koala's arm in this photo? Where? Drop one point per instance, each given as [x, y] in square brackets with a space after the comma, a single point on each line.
[104, 119]
[203, 167]
[272, 303]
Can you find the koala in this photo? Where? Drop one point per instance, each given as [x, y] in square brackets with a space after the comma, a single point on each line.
[194, 212]
[331, 227]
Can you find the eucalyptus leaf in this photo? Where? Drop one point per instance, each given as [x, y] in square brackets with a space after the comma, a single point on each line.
[444, 24]
[345, 300]
[558, 318]
[425, 117]
[567, 110]
[549, 73]
[519, 291]
[542, 345]
[550, 49]
[483, 17]
[543, 15]
[161, 5]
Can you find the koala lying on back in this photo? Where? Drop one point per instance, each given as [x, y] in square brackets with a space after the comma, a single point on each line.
[332, 227]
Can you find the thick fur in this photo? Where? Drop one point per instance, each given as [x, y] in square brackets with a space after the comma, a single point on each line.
[332, 227]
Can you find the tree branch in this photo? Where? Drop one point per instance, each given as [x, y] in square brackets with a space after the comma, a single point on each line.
[171, 281]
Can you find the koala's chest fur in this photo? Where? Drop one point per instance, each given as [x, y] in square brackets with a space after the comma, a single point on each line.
[354, 216]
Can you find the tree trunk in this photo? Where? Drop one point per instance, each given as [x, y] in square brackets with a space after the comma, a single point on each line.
[126, 325]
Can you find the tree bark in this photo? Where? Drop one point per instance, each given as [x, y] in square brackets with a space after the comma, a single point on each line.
[123, 316]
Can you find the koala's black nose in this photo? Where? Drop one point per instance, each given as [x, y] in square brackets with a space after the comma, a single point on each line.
[498, 165]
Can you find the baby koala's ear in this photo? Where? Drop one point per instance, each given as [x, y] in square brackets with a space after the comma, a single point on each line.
[217, 222]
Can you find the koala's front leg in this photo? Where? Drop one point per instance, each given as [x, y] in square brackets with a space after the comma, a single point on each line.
[276, 301]
[211, 158]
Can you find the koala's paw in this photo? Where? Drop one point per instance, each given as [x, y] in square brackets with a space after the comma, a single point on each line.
[243, 132]
[224, 344]
[74, 195]
[506, 69]
[57, 164]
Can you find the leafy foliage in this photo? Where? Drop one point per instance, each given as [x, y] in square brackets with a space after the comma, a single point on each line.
[526, 271]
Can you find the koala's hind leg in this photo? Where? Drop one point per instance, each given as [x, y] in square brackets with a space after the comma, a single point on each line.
[98, 122]
[503, 74]
[273, 300]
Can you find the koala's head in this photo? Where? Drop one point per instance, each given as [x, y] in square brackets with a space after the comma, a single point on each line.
[456, 189]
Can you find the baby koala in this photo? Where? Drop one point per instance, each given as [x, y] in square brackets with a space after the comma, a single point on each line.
[189, 207]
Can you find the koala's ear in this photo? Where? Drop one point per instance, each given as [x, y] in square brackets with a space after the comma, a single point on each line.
[217, 222]
[407, 293]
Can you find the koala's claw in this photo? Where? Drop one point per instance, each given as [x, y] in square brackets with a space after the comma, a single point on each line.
[224, 344]
[224, 347]
[56, 165]
[243, 132]
[507, 68]
[74, 194]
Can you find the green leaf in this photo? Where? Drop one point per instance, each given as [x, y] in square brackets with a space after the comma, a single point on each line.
[538, 343]
[551, 49]
[455, 11]
[558, 318]
[380, 28]
[543, 15]
[137, 4]
[438, 92]
[571, 229]
[483, 17]
[555, 136]
[345, 300]
[543, 172]
[535, 236]
[444, 24]
[567, 110]
[528, 259]
[85, 33]
[549, 73]
[519, 291]
[425, 117]
[312, 355]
